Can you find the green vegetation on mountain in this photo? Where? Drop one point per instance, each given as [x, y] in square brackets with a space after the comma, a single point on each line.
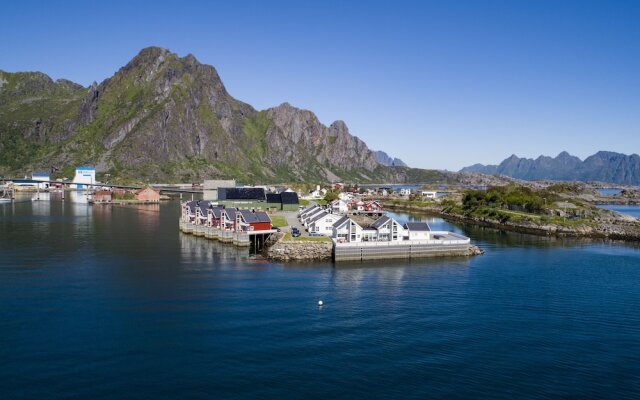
[35, 114]
[167, 118]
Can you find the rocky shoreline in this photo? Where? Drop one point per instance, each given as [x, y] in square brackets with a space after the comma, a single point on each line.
[277, 249]
[617, 228]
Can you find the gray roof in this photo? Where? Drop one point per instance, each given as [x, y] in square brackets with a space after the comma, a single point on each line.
[216, 211]
[317, 217]
[192, 206]
[231, 212]
[340, 221]
[417, 226]
[262, 216]
[309, 209]
[314, 213]
[380, 221]
[248, 216]
[203, 205]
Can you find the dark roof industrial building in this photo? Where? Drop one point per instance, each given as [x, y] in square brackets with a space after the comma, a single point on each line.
[258, 198]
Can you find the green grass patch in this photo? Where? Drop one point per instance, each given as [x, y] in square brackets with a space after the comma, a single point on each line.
[278, 221]
[288, 237]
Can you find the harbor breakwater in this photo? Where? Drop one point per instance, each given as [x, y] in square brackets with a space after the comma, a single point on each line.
[276, 248]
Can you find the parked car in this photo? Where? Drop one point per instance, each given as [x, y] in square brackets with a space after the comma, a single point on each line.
[295, 232]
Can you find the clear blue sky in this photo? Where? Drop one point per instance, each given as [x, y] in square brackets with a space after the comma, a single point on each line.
[438, 84]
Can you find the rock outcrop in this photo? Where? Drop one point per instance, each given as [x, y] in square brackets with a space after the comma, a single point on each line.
[284, 251]
[384, 159]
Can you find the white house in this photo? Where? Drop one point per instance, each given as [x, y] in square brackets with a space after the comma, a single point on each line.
[85, 176]
[41, 177]
[405, 192]
[417, 231]
[388, 229]
[201, 212]
[309, 216]
[318, 193]
[339, 206]
[429, 194]
[308, 211]
[322, 224]
[308, 208]
[347, 230]
[345, 196]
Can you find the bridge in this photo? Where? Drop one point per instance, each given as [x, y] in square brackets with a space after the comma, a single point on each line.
[162, 187]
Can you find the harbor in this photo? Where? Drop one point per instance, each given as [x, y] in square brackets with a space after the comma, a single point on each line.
[345, 237]
[240, 227]
[90, 268]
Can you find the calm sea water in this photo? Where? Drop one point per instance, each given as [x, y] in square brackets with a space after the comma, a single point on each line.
[634, 211]
[608, 191]
[113, 302]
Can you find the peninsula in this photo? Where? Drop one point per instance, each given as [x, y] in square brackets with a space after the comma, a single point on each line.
[558, 209]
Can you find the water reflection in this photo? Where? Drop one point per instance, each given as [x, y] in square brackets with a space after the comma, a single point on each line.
[134, 298]
[200, 253]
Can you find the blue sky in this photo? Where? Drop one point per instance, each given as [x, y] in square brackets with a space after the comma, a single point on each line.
[439, 84]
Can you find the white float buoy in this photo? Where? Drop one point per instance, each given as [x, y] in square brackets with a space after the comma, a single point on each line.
[320, 303]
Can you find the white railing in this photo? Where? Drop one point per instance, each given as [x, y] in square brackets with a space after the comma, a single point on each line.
[381, 243]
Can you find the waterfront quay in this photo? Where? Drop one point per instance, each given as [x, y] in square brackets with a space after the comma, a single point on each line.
[451, 245]
[243, 228]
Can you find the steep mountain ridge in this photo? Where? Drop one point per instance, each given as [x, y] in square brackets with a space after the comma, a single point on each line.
[162, 117]
[385, 159]
[604, 166]
[35, 112]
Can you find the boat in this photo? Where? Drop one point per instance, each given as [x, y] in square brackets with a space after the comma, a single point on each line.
[5, 200]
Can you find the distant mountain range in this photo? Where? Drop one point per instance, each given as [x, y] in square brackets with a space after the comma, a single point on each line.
[604, 166]
[165, 118]
[384, 159]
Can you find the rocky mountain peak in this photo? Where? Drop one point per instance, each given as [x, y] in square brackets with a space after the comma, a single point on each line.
[167, 118]
[339, 126]
[604, 166]
[384, 159]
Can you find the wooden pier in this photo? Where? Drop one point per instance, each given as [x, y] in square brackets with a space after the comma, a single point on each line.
[255, 240]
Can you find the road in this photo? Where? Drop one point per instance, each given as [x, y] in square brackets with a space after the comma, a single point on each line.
[293, 221]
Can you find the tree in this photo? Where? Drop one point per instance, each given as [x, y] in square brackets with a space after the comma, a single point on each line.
[330, 196]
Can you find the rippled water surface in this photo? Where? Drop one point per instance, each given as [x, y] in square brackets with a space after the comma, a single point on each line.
[113, 302]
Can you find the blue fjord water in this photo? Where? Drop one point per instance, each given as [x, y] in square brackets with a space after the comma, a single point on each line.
[632, 210]
[113, 302]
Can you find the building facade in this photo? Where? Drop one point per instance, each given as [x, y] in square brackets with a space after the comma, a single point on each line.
[85, 176]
